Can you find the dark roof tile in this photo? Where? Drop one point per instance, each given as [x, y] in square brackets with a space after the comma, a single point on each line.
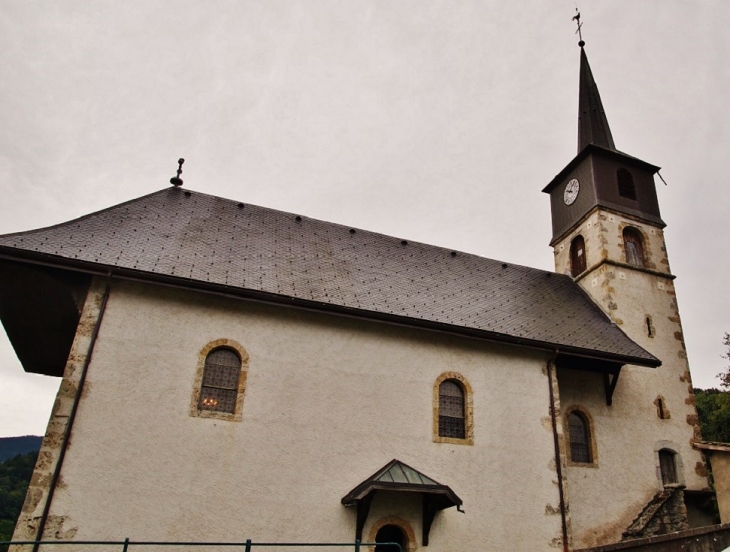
[207, 239]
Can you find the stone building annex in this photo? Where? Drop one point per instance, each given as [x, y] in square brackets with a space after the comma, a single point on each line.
[231, 371]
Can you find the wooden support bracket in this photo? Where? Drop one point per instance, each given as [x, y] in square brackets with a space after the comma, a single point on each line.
[363, 509]
[609, 384]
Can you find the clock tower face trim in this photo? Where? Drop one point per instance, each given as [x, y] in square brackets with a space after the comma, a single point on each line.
[571, 191]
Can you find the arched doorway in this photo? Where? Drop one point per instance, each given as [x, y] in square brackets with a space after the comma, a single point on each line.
[391, 533]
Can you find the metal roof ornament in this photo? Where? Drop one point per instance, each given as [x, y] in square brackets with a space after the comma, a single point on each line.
[576, 18]
[176, 180]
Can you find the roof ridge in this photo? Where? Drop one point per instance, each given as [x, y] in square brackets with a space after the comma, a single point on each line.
[84, 217]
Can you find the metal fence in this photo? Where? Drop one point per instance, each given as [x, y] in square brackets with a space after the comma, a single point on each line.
[246, 546]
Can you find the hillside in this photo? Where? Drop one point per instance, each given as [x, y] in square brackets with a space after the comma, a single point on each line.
[12, 446]
[14, 477]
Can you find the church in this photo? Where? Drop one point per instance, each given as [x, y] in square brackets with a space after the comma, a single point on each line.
[233, 372]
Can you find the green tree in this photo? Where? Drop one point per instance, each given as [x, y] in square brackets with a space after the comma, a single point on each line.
[725, 376]
[713, 408]
[713, 405]
[14, 478]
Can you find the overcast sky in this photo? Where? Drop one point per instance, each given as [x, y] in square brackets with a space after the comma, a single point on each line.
[435, 121]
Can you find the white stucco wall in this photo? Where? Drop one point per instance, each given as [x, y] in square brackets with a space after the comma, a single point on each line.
[329, 400]
[605, 499]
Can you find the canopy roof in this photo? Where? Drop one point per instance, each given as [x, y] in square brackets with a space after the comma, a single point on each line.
[397, 476]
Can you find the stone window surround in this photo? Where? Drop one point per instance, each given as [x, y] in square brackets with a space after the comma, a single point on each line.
[398, 522]
[663, 409]
[642, 239]
[574, 258]
[468, 410]
[237, 415]
[591, 436]
[678, 464]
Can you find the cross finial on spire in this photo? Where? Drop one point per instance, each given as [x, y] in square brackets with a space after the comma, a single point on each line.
[576, 18]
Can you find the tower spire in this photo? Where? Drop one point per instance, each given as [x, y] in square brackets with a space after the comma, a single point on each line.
[592, 122]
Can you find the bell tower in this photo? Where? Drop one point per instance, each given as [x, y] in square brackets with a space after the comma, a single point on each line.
[607, 234]
[605, 213]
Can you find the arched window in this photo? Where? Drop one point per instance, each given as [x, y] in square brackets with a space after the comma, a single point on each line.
[577, 256]
[451, 410]
[668, 466]
[626, 186]
[390, 534]
[393, 529]
[580, 438]
[220, 381]
[634, 246]
[219, 389]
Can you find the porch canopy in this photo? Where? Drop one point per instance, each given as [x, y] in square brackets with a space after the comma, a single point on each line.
[399, 477]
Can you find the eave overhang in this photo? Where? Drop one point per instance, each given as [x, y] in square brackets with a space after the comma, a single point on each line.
[711, 446]
[98, 269]
[598, 150]
[40, 308]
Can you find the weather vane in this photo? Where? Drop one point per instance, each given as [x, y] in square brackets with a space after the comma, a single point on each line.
[176, 180]
[576, 18]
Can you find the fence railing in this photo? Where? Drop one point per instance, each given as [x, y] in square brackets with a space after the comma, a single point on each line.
[247, 545]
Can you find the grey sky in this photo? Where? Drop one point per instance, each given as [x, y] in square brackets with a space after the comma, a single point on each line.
[429, 120]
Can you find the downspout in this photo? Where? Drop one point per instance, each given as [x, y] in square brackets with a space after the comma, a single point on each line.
[72, 415]
[556, 443]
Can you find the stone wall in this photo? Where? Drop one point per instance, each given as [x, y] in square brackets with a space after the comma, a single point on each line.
[704, 539]
[57, 526]
[328, 401]
[665, 513]
[653, 409]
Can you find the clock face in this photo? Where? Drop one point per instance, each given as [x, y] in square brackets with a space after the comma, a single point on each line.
[571, 191]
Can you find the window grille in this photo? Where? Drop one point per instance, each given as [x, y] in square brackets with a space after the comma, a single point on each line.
[451, 410]
[634, 246]
[580, 444]
[577, 256]
[668, 467]
[219, 389]
[626, 186]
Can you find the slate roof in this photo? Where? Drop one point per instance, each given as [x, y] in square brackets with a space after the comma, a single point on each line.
[592, 122]
[199, 240]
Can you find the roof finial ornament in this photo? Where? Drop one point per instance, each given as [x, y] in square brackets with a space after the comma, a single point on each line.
[176, 180]
[576, 18]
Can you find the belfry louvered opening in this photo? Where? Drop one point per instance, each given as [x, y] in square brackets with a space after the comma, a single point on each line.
[626, 186]
[451, 410]
[219, 389]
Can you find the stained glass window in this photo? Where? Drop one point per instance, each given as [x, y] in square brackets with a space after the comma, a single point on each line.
[219, 389]
[451, 410]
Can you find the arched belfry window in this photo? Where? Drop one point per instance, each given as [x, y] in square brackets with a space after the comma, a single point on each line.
[626, 186]
[633, 246]
[580, 439]
[220, 381]
[577, 256]
[453, 410]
